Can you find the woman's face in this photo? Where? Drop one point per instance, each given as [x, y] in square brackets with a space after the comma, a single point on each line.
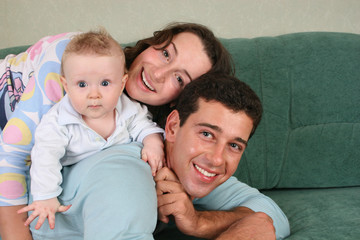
[157, 76]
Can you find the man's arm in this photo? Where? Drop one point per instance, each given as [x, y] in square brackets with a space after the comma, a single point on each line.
[172, 200]
[254, 226]
[12, 224]
[239, 223]
[233, 193]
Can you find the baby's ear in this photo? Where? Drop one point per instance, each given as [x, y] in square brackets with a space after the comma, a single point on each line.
[64, 83]
[125, 78]
[123, 81]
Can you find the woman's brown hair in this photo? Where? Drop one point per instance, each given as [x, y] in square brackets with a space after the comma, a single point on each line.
[220, 58]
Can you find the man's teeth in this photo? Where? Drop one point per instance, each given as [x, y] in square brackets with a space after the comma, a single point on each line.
[145, 82]
[204, 172]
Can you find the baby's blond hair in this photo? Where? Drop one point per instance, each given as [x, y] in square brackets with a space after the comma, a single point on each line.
[98, 42]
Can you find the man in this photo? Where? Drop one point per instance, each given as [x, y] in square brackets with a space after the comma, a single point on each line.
[205, 139]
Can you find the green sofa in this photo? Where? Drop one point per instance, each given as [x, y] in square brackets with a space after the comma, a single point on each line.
[305, 153]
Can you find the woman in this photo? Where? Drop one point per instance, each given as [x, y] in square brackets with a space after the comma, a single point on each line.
[159, 67]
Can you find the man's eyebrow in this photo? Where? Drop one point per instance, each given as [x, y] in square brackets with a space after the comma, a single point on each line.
[176, 53]
[218, 129]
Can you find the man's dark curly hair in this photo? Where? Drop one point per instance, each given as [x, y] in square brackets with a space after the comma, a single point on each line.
[227, 90]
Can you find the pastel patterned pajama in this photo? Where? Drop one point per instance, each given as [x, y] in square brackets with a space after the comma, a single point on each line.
[30, 85]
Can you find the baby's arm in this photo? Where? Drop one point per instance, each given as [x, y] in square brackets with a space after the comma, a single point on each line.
[44, 209]
[153, 152]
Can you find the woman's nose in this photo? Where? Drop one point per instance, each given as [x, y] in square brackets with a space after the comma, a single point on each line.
[160, 74]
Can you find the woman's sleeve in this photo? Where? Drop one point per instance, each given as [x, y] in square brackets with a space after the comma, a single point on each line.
[40, 73]
[233, 193]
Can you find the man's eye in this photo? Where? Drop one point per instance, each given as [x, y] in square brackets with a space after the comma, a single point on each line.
[82, 84]
[235, 146]
[206, 134]
[105, 83]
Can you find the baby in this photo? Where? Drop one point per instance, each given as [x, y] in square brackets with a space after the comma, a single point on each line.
[93, 115]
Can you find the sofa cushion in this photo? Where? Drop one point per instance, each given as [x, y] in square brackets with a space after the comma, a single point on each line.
[309, 86]
[320, 213]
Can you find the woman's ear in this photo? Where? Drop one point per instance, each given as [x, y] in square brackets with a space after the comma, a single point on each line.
[172, 126]
[64, 83]
[172, 104]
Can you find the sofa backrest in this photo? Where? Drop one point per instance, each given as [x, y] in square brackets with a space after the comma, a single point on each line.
[309, 84]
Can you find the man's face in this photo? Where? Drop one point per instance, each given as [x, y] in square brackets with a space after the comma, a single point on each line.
[206, 150]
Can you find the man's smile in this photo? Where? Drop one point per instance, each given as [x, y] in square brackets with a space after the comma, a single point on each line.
[204, 172]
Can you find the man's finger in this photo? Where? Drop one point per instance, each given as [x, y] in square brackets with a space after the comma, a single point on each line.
[166, 174]
[165, 187]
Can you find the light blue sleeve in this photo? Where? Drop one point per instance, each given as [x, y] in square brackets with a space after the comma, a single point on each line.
[234, 193]
[112, 195]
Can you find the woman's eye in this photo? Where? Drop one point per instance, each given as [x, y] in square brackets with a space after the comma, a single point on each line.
[105, 83]
[166, 54]
[82, 84]
[180, 80]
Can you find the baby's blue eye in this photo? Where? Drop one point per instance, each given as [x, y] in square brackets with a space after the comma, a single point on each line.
[105, 83]
[82, 84]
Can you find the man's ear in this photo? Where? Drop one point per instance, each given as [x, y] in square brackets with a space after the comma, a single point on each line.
[172, 126]
[64, 83]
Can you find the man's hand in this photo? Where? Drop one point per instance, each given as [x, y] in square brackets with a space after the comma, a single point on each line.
[173, 200]
[257, 226]
[44, 209]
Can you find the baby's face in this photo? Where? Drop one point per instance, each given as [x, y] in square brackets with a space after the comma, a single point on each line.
[94, 83]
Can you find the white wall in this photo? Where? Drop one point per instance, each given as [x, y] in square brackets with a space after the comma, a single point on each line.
[26, 21]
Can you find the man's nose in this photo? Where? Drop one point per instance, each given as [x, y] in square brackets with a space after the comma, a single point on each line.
[216, 155]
